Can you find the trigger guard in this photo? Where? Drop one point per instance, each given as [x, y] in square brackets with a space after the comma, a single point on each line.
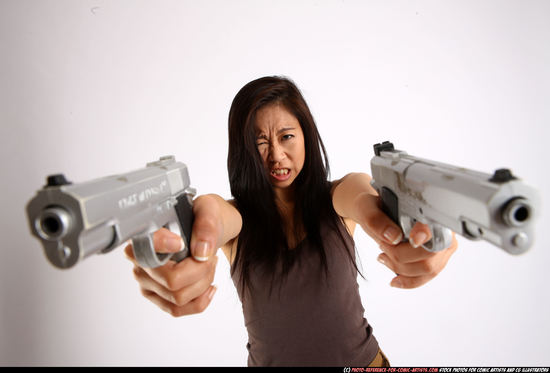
[145, 253]
[441, 239]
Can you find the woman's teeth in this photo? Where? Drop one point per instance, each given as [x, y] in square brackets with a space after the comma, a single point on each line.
[280, 171]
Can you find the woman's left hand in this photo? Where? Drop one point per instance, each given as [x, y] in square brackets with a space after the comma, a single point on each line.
[414, 265]
[354, 198]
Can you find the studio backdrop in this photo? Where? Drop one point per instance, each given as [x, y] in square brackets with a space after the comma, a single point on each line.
[95, 88]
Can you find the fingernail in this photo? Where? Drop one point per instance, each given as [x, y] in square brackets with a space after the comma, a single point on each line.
[202, 251]
[396, 283]
[393, 235]
[174, 243]
[418, 239]
[381, 260]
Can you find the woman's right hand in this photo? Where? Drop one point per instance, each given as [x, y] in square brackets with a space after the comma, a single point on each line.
[185, 288]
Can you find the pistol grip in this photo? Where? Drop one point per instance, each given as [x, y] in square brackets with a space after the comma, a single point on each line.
[390, 204]
[184, 212]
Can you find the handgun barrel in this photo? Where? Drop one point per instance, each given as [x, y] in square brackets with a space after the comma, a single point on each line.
[498, 208]
[74, 221]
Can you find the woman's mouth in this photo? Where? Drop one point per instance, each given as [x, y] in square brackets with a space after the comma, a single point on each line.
[280, 174]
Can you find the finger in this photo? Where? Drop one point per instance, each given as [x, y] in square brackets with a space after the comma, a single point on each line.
[425, 263]
[420, 268]
[179, 297]
[414, 275]
[166, 241]
[197, 305]
[376, 223]
[405, 252]
[420, 234]
[175, 276]
[207, 228]
[406, 282]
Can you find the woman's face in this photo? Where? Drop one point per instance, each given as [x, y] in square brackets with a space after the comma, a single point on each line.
[280, 141]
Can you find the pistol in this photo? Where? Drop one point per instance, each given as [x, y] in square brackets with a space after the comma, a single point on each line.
[498, 208]
[74, 221]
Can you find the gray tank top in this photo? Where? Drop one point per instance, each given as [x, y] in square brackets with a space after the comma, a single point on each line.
[308, 319]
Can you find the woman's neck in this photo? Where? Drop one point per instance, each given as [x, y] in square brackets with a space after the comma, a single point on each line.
[285, 201]
[294, 230]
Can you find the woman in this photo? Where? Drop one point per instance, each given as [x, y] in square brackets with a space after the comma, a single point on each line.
[288, 237]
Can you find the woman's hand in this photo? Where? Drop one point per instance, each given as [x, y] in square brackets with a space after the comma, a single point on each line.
[186, 288]
[179, 289]
[413, 265]
[354, 198]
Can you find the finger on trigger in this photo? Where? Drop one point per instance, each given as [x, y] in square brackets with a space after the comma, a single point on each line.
[167, 242]
[419, 235]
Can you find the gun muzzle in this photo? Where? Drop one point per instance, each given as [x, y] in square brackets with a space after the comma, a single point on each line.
[516, 212]
[53, 223]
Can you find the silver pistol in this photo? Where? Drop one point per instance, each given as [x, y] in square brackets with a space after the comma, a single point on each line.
[498, 208]
[74, 221]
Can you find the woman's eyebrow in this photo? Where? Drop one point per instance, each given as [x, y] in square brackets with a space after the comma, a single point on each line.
[264, 136]
[285, 129]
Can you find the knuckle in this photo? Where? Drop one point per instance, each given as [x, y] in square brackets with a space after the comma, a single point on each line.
[371, 218]
[145, 293]
[397, 256]
[140, 275]
[430, 267]
[180, 299]
[171, 285]
[206, 223]
[173, 280]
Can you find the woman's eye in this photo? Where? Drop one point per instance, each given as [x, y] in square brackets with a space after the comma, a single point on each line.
[287, 137]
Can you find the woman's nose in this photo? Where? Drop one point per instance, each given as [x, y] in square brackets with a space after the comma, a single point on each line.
[276, 153]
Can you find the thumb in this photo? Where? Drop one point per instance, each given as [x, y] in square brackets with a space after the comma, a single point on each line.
[207, 228]
[375, 222]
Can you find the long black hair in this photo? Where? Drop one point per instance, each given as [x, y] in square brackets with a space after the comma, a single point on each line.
[262, 240]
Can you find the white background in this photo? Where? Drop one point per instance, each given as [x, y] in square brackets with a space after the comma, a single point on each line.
[93, 88]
